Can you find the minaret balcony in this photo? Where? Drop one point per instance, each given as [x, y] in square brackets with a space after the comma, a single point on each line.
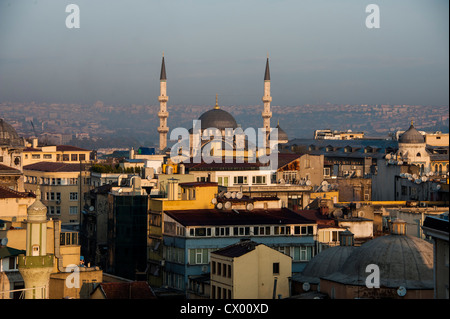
[35, 261]
[163, 114]
[267, 99]
[163, 98]
[266, 114]
[163, 129]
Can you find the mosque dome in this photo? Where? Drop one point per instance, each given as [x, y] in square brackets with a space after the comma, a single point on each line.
[282, 135]
[402, 260]
[325, 263]
[217, 118]
[411, 136]
[8, 135]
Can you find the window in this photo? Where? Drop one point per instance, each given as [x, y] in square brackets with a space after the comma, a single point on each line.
[240, 179]
[199, 256]
[82, 157]
[213, 267]
[73, 196]
[222, 181]
[258, 179]
[326, 171]
[65, 157]
[36, 156]
[74, 157]
[48, 156]
[73, 210]
[276, 268]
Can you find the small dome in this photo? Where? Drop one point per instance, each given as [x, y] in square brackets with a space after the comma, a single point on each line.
[411, 136]
[217, 118]
[325, 263]
[282, 136]
[37, 212]
[8, 135]
[403, 261]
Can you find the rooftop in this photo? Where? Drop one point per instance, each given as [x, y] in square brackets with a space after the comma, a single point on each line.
[6, 192]
[238, 249]
[53, 167]
[127, 290]
[213, 217]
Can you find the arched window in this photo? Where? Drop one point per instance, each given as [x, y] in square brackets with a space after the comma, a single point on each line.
[440, 168]
[436, 168]
[418, 154]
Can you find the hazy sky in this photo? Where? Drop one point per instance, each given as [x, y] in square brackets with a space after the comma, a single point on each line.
[320, 51]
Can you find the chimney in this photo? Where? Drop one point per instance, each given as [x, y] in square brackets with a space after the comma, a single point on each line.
[34, 143]
[398, 227]
[172, 189]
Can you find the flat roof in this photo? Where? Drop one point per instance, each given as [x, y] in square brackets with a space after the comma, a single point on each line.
[216, 217]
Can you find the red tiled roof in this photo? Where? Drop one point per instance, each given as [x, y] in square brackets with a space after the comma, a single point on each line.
[69, 148]
[315, 215]
[53, 167]
[10, 193]
[8, 169]
[32, 149]
[127, 290]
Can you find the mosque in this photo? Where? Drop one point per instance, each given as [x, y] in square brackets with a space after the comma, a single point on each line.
[217, 118]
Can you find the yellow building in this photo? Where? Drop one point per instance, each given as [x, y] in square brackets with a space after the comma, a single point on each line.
[62, 186]
[58, 153]
[180, 196]
[13, 204]
[249, 270]
[63, 251]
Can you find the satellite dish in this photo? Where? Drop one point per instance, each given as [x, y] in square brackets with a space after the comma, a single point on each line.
[414, 176]
[306, 286]
[400, 162]
[228, 195]
[239, 195]
[360, 213]
[388, 156]
[214, 201]
[219, 206]
[438, 187]
[91, 208]
[282, 181]
[249, 206]
[402, 175]
[149, 177]
[4, 241]
[418, 181]
[233, 195]
[308, 182]
[401, 291]
[324, 183]
[424, 178]
[227, 205]
[120, 190]
[338, 213]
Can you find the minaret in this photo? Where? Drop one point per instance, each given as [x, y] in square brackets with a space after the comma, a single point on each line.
[36, 265]
[267, 114]
[163, 114]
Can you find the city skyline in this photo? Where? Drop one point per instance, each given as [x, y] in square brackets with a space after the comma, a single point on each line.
[320, 52]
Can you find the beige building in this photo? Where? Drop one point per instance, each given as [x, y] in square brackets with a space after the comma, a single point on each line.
[60, 252]
[249, 270]
[58, 153]
[13, 204]
[62, 186]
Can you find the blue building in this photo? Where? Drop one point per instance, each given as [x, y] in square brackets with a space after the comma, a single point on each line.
[190, 236]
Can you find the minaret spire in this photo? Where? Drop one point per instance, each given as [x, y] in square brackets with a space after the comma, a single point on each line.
[163, 114]
[267, 114]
